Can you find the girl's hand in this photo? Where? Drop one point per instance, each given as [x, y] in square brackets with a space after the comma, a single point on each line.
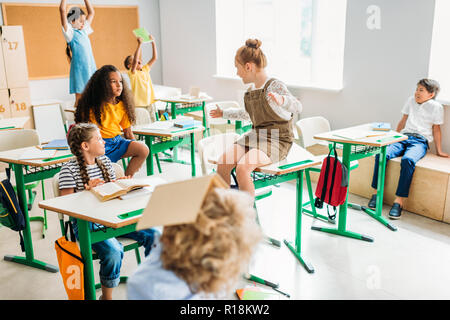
[443, 154]
[93, 183]
[151, 37]
[279, 100]
[124, 177]
[140, 40]
[218, 113]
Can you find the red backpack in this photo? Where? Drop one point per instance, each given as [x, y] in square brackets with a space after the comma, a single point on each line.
[333, 183]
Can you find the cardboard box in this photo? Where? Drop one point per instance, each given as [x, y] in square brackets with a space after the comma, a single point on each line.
[5, 110]
[178, 202]
[14, 56]
[20, 105]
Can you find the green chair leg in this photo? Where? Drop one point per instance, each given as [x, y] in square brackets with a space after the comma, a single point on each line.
[158, 163]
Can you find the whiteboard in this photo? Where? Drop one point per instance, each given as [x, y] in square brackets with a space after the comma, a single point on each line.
[48, 122]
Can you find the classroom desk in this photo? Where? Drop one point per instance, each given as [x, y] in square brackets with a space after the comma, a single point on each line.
[119, 216]
[190, 105]
[181, 134]
[13, 123]
[355, 148]
[291, 168]
[35, 170]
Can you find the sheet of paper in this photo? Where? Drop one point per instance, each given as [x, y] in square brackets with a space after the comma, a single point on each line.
[142, 33]
[137, 193]
[160, 125]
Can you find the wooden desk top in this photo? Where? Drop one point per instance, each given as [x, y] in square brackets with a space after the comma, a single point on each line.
[363, 135]
[85, 205]
[173, 132]
[13, 123]
[179, 99]
[13, 156]
[297, 159]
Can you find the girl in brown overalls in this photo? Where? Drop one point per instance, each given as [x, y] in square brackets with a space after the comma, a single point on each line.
[270, 107]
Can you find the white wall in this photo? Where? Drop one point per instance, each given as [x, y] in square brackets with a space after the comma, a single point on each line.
[381, 67]
[149, 18]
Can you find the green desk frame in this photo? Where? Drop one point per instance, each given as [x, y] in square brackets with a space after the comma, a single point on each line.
[156, 147]
[32, 174]
[87, 238]
[262, 181]
[355, 152]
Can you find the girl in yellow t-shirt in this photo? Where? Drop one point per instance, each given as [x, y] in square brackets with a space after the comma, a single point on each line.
[107, 102]
[140, 80]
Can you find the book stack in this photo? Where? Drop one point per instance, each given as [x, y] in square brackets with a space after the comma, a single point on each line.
[58, 144]
[381, 126]
[186, 123]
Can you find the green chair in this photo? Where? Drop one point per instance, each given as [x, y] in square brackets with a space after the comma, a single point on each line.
[16, 139]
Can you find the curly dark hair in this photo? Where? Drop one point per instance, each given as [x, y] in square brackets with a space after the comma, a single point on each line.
[97, 92]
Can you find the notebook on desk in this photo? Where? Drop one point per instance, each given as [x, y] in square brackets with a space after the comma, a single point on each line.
[57, 144]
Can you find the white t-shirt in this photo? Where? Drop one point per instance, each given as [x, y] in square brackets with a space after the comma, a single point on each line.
[422, 117]
[68, 35]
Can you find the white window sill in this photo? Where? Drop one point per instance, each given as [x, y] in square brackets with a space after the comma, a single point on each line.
[294, 86]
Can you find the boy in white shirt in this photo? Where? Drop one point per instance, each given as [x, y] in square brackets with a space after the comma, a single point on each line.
[422, 117]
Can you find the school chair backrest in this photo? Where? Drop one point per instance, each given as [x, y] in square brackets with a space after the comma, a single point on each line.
[16, 139]
[307, 128]
[213, 147]
[142, 116]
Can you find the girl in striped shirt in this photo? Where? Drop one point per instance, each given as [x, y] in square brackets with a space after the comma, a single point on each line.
[91, 168]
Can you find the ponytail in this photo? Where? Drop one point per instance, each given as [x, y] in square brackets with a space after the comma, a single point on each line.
[69, 53]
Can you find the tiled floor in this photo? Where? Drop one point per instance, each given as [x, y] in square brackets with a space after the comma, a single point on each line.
[411, 263]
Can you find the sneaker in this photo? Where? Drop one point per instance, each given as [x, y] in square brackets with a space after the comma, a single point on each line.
[373, 202]
[396, 211]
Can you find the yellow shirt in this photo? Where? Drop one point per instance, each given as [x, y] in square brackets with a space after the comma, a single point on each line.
[142, 87]
[114, 119]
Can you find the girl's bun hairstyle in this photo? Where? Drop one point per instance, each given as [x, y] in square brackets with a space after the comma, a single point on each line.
[251, 52]
[253, 43]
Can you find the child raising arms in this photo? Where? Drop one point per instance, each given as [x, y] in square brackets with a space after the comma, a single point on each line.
[201, 260]
[76, 29]
[89, 169]
[108, 103]
[140, 80]
[270, 107]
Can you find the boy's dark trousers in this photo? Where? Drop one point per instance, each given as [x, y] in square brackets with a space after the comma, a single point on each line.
[411, 151]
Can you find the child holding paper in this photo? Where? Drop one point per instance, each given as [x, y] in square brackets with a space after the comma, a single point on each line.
[140, 80]
[76, 29]
[204, 259]
[421, 122]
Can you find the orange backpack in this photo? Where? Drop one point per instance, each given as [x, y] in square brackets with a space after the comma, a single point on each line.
[71, 264]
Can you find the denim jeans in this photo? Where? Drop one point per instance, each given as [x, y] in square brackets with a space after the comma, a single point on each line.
[411, 151]
[110, 252]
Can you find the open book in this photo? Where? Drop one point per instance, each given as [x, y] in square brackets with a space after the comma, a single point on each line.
[111, 190]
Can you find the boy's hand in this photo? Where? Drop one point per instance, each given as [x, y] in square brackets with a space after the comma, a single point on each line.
[218, 113]
[151, 37]
[93, 183]
[140, 40]
[279, 100]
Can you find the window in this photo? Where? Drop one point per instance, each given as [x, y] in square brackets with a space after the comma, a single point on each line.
[440, 49]
[302, 39]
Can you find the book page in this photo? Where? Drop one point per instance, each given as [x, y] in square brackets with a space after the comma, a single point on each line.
[128, 183]
[107, 189]
[160, 125]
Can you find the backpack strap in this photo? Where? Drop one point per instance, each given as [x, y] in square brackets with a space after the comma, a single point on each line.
[333, 176]
[68, 227]
[8, 173]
